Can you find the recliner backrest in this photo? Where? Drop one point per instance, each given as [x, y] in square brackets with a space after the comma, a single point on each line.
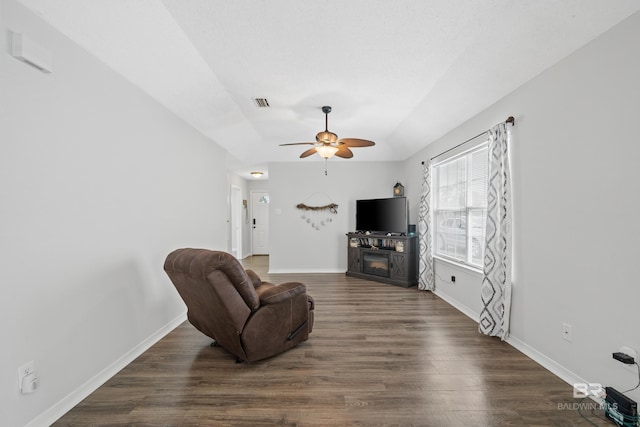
[199, 263]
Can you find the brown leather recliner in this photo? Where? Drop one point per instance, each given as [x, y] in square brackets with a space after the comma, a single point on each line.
[249, 318]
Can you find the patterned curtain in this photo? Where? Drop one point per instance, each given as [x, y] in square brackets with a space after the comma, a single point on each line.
[496, 283]
[425, 279]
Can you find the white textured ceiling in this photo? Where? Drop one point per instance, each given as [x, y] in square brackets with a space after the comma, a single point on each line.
[401, 73]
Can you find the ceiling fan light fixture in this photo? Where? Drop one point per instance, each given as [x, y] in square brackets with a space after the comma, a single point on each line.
[326, 151]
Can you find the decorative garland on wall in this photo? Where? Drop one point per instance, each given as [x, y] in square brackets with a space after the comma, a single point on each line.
[318, 216]
[331, 207]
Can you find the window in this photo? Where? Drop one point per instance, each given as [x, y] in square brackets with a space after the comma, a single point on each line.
[460, 206]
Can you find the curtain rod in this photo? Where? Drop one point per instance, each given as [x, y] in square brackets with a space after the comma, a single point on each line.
[510, 119]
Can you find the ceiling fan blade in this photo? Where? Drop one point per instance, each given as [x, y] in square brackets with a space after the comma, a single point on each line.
[307, 153]
[356, 142]
[299, 143]
[344, 152]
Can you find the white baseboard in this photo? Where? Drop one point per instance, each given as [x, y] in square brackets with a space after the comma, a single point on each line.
[549, 364]
[461, 307]
[56, 411]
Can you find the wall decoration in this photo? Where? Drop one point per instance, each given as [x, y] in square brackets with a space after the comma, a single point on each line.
[318, 216]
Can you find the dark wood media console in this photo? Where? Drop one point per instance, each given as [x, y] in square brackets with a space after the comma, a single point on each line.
[387, 259]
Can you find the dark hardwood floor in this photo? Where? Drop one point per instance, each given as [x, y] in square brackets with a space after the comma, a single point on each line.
[379, 355]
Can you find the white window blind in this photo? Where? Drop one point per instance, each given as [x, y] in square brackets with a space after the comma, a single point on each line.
[460, 206]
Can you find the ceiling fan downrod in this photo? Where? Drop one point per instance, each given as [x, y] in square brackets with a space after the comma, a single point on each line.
[326, 110]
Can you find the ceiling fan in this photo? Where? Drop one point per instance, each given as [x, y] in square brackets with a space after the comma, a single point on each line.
[327, 143]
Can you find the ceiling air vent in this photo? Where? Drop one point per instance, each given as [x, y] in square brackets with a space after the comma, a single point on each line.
[261, 102]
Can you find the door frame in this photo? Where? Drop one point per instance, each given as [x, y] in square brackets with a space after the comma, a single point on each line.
[235, 224]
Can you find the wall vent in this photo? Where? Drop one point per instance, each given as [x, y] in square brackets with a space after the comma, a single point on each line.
[261, 102]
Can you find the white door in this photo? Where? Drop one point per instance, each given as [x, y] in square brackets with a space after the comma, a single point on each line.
[236, 222]
[260, 222]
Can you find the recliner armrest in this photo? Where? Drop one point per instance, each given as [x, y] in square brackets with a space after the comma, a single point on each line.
[282, 292]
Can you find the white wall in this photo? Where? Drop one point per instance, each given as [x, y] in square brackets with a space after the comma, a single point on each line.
[297, 247]
[98, 183]
[575, 157]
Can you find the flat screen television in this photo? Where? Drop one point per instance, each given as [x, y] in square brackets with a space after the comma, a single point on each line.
[382, 215]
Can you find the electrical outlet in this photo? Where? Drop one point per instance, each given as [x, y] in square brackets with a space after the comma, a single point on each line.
[24, 370]
[453, 279]
[567, 332]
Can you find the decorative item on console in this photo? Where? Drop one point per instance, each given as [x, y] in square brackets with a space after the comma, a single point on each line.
[398, 190]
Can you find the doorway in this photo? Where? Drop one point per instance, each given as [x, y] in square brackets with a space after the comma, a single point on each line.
[236, 222]
[260, 222]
